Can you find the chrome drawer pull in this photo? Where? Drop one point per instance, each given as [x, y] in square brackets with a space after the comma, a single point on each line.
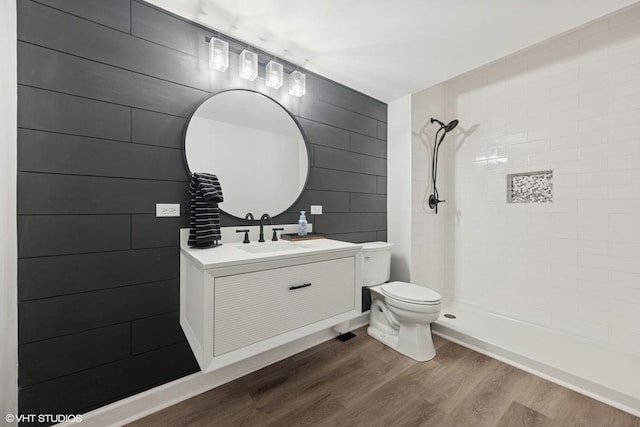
[306, 285]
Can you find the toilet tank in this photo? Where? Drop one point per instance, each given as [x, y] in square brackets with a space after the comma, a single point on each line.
[376, 263]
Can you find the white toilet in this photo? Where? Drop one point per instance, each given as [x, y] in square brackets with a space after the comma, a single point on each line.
[401, 313]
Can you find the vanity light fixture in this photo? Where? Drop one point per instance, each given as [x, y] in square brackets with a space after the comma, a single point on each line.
[297, 83]
[218, 54]
[248, 65]
[274, 75]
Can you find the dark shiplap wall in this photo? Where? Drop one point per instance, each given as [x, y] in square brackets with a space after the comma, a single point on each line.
[105, 89]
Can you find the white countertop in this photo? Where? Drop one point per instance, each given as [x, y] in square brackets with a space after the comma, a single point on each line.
[237, 253]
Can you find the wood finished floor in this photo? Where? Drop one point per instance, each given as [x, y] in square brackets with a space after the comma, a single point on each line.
[363, 383]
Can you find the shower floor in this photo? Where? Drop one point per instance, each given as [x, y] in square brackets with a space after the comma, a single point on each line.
[605, 373]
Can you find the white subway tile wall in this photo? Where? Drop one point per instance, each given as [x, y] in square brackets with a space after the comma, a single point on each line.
[571, 105]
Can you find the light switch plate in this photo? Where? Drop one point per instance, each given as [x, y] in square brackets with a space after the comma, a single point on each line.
[167, 209]
[316, 209]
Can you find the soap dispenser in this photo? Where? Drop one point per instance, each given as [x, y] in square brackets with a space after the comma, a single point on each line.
[302, 224]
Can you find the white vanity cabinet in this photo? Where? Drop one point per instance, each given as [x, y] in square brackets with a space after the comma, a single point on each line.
[251, 307]
[235, 304]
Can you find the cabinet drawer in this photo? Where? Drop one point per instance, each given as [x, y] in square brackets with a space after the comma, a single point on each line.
[252, 307]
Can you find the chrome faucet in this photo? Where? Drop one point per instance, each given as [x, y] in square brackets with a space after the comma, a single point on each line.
[262, 219]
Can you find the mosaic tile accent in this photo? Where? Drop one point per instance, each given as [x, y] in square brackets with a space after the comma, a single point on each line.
[533, 187]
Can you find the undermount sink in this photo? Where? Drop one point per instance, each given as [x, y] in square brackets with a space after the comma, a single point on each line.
[266, 247]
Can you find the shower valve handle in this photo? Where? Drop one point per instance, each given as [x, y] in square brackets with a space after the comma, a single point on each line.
[433, 202]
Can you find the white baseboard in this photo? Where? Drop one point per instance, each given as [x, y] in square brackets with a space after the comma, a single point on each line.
[140, 405]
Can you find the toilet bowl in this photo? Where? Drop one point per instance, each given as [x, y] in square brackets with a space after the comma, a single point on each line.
[401, 313]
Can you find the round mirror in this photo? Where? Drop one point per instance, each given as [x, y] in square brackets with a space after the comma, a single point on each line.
[255, 148]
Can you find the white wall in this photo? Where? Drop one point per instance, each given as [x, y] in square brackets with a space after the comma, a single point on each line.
[399, 186]
[8, 240]
[571, 105]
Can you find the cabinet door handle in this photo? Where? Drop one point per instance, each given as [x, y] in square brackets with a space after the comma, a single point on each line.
[304, 285]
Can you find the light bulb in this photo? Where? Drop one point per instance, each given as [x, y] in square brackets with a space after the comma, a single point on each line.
[297, 84]
[249, 67]
[218, 54]
[274, 75]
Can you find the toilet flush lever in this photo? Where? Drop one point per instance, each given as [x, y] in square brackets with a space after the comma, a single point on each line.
[304, 285]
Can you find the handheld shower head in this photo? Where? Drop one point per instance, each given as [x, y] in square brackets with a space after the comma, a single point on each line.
[451, 126]
[448, 127]
[434, 197]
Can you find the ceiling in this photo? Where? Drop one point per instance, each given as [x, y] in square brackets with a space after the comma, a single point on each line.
[391, 48]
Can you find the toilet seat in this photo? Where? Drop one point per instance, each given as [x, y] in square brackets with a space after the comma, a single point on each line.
[410, 293]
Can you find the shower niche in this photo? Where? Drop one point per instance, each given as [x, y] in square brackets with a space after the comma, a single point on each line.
[530, 187]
